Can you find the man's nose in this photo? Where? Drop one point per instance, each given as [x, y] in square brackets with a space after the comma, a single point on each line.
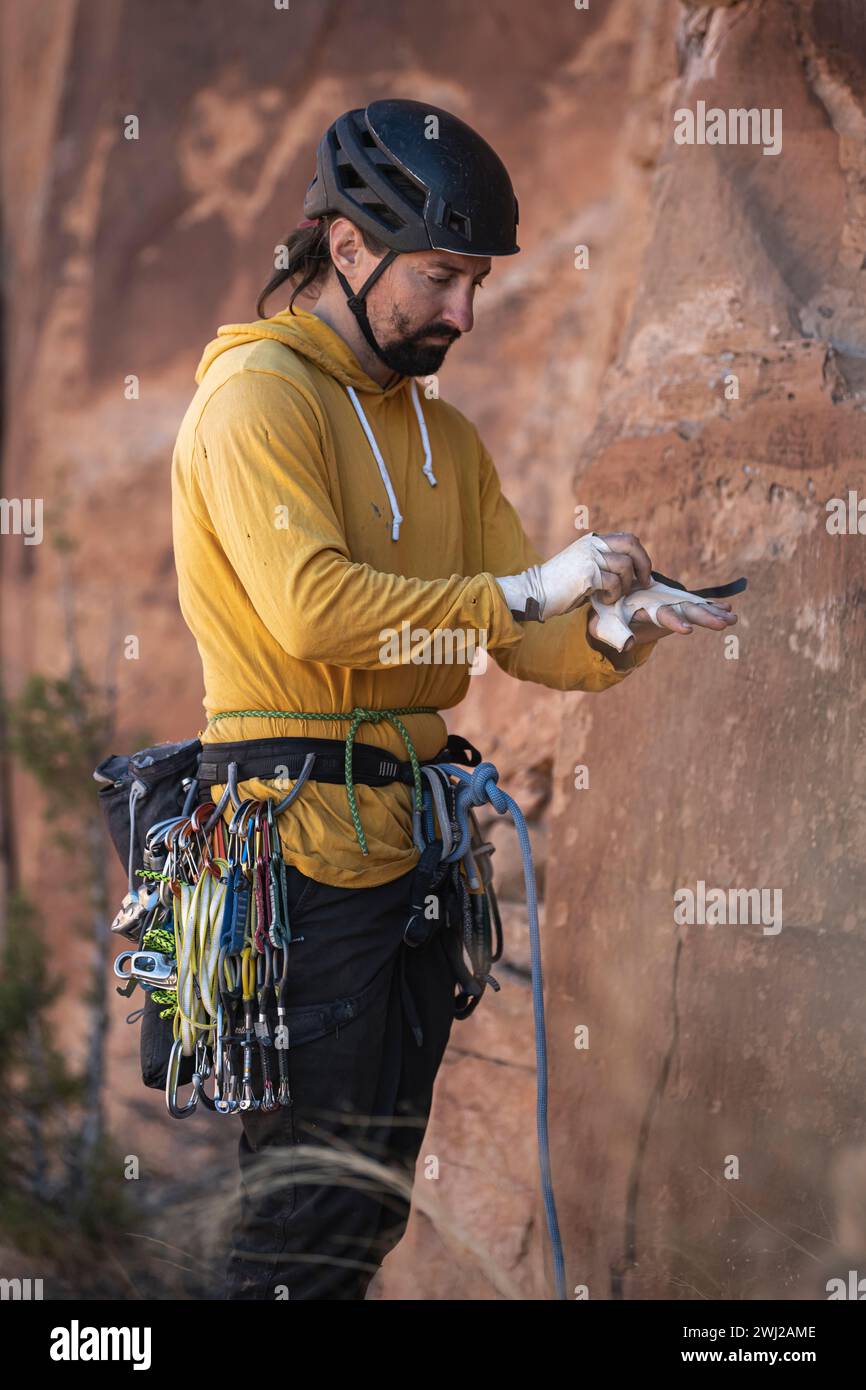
[457, 313]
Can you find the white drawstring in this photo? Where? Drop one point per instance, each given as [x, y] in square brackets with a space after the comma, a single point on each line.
[371, 439]
[377, 454]
[425, 438]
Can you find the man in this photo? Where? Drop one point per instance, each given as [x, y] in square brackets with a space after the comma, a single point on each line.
[320, 508]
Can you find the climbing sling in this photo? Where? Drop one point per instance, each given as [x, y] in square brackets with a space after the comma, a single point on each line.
[210, 919]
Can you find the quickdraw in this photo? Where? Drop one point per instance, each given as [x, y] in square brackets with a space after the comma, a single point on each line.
[214, 951]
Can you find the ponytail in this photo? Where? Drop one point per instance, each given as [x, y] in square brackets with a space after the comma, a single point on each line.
[309, 258]
[308, 255]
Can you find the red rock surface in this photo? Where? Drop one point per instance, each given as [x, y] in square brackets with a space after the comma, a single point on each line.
[710, 1041]
[602, 387]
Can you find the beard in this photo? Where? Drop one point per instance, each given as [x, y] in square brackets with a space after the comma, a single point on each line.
[408, 354]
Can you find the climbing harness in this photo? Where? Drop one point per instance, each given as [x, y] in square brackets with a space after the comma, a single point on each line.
[212, 927]
[357, 716]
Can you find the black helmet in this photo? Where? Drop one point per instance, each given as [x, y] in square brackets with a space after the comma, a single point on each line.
[414, 185]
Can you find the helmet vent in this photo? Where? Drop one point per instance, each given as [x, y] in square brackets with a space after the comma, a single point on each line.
[386, 216]
[405, 187]
[458, 222]
[350, 178]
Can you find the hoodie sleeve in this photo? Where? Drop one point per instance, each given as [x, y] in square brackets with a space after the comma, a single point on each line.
[558, 652]
[263, 479]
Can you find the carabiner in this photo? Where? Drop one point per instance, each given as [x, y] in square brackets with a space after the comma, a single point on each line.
[174, 828]
[171, 1085]
[217, 811]
[202, 1071]
[226, 1090]
[238, 822]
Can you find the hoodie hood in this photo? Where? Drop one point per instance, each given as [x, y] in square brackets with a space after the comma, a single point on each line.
[308, 335]
[312, 338]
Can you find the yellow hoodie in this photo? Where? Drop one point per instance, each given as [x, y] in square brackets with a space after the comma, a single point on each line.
[292, 583]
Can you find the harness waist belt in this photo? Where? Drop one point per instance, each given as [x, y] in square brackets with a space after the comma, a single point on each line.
[267, 758]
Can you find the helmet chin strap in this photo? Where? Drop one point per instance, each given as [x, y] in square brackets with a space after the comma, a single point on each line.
[357, 305]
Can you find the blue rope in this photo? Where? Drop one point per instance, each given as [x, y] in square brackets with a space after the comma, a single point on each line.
[479, 787]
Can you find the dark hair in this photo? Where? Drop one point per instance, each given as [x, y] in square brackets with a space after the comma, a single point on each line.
[309, 259]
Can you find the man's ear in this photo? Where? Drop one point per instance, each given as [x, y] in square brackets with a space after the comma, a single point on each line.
[346, 245]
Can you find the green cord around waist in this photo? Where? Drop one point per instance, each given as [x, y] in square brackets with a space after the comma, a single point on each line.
[358, 716]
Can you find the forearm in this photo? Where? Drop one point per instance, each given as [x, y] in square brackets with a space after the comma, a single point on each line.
[561, 655]
[351, 615]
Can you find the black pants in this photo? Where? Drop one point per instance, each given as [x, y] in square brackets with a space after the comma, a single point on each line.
[361, 1086]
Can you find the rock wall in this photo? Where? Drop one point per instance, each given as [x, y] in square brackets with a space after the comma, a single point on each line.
[710, 1140]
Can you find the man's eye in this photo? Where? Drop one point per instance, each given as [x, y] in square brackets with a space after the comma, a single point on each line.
[448, 279]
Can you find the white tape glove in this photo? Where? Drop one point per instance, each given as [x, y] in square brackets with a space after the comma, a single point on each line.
[559, 585]
[614, 619]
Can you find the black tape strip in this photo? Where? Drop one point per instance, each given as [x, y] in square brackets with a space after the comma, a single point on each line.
[718, 591]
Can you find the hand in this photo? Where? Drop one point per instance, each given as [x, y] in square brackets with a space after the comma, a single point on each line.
[609, 566]
[625, 566]
[715, 615]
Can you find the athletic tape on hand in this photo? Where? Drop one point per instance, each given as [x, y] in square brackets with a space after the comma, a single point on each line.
[558, 585]
[574, 573]
[614, 618]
